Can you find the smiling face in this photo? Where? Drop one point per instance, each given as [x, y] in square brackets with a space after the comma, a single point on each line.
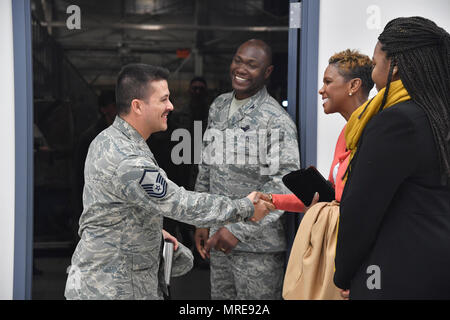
[157, 106]
[334, 91]
[249, 69]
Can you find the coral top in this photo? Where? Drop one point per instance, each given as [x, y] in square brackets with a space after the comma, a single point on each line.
[289, 202]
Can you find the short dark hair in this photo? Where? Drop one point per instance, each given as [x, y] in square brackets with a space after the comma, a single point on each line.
[132, 83]
[264, 46]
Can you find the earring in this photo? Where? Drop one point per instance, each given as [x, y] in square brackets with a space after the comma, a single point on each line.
[350, 94]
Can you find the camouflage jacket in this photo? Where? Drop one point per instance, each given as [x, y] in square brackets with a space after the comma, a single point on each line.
[263, 134]
[125, 198]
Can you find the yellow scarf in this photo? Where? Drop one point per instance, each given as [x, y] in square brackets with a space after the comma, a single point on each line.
[359, 119]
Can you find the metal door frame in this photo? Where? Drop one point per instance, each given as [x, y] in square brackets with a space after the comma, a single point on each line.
[23, 109]
[302, 90]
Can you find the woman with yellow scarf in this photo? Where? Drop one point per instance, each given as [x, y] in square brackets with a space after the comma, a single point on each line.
[394, 226]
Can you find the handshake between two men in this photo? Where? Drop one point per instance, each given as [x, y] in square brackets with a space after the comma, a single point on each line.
[223, 240]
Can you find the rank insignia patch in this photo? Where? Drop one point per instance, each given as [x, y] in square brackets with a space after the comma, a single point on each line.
[154, 184]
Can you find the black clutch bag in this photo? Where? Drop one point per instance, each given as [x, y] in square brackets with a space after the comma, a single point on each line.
[304, 183]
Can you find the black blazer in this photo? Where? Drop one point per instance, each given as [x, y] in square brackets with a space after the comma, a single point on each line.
[395, 214]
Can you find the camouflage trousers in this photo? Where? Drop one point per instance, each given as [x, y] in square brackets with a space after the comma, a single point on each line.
[247, 275]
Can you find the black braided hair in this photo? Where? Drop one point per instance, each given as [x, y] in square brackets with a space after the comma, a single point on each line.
[421, 51]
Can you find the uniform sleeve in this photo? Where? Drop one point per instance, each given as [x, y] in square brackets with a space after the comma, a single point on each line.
[386, 157]
[282, 157]
[202, 181]
[144, 184]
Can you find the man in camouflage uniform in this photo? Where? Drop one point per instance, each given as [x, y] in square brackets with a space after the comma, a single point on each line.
[126, 196]
[248, 260]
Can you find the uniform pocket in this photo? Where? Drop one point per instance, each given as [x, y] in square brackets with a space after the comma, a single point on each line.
[141, 262]
[144, 277]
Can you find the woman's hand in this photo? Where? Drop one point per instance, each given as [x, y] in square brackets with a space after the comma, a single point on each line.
[263, 196]
[313, 202]
[262, 208]
[345, 294]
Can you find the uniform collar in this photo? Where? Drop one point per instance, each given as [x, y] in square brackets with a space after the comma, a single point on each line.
[253, 103]
[127, 130]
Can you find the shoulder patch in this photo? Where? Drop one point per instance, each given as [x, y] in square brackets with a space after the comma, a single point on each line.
[153, 183]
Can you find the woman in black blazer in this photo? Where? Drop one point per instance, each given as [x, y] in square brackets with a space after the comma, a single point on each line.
[394, 229]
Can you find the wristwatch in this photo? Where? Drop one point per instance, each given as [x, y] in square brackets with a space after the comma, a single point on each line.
[270, 197]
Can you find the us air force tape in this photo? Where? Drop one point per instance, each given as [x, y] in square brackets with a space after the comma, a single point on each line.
[153, 183]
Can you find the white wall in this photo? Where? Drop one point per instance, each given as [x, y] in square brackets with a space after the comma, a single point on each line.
[356, 24]
[7, 159]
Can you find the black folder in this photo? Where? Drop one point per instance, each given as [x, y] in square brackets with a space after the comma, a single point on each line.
[304, 183]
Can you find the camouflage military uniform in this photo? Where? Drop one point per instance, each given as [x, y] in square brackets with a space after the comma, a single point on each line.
[125, 198]
[262, 268]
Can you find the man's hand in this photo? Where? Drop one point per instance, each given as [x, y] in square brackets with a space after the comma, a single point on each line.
[171, 238]
[223, 240]
[262, 208]
[201, 235]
